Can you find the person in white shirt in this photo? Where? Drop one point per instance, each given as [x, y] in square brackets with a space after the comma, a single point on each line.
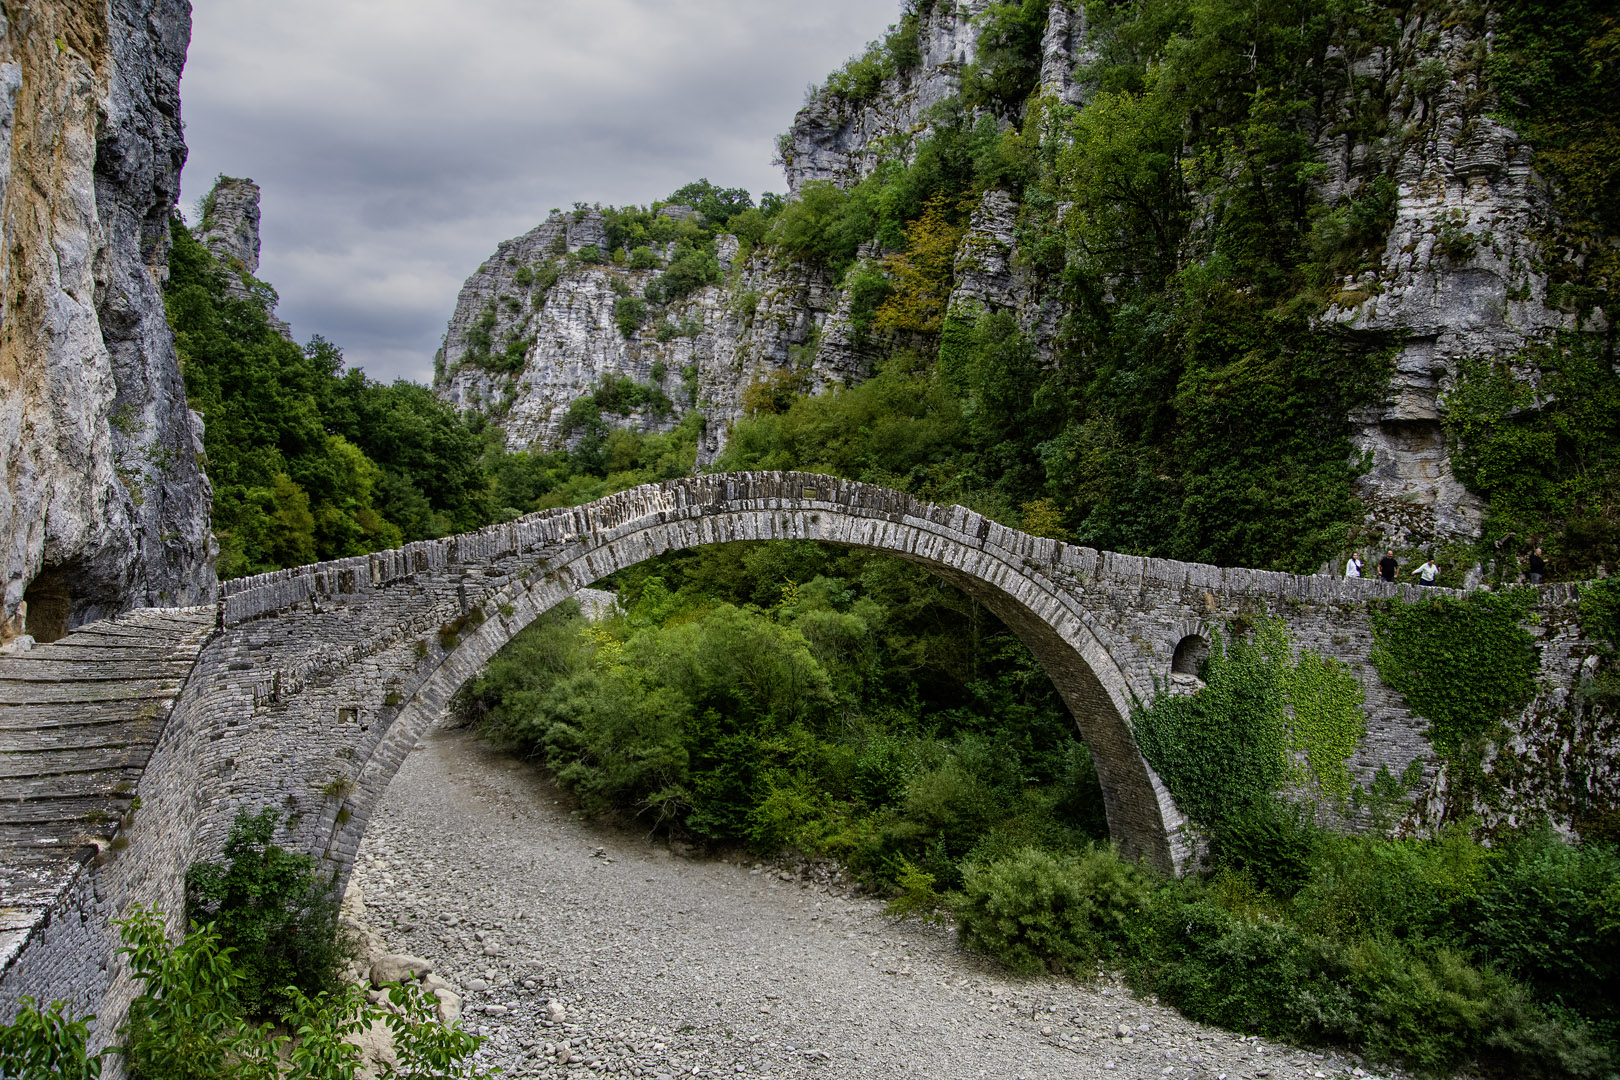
[1427, 572]
[1353, 567]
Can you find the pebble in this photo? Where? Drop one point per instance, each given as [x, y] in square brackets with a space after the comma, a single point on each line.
[672, 964]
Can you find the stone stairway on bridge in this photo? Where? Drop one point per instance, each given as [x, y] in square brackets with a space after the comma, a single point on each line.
[79, 718]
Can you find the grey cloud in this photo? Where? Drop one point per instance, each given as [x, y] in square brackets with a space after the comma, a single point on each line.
[398, 141]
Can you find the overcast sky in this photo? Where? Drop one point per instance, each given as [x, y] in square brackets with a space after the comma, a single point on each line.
[398, 141]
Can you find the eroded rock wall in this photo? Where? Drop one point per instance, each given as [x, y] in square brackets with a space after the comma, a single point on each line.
[765, 317]
[1459, 276]
[104, 504]
[229, 229]
[833, 138]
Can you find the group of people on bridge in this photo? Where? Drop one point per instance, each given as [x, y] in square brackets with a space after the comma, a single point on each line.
[1429, 572]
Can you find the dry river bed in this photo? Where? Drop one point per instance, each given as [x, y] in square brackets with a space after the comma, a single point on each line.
[662, 966]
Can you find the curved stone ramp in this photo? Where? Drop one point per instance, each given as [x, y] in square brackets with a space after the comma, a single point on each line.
[78, 720]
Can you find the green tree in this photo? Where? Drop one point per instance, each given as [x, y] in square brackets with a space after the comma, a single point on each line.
[273, 910]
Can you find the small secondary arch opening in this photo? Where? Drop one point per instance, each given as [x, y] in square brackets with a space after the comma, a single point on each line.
[1191, 653]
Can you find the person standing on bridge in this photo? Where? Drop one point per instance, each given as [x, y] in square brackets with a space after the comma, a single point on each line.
[1387, 565]
[1352, 567]
[1538, 567]
[1428, 572]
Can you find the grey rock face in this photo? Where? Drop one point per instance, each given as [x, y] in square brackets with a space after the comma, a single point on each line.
[229, 229]
[834, 139]
[230, 224]
[762, 319]
[1458, 278]
[1067, 45]
[105, 505]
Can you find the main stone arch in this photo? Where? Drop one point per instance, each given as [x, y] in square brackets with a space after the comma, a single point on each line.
[563, 551]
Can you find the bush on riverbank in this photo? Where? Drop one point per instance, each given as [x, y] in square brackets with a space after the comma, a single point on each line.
[1440, 954]
[274, 910]
[192, 1021]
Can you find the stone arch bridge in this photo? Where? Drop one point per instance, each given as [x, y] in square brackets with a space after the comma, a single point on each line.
[128, 746]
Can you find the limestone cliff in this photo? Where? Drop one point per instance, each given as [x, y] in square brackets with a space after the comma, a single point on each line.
[229, 229]
[839, 139]
[104, 504]
[1459, 276]
[563, 341]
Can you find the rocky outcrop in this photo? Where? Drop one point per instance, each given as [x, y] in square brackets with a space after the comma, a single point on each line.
[534, 331]
[104, 503]
[1459, 277]
[837, 139]
[229, 229]
[230, 224]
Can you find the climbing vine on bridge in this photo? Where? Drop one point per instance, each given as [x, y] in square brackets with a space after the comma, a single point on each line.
[1465, 665]
[1263, 718]
[1325, 699]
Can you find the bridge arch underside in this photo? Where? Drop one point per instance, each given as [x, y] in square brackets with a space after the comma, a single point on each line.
[1142, 818]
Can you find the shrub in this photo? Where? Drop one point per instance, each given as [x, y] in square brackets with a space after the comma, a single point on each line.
[274, 909]
[689, 271]
[1600, 611]
[188, 1023]
[1008, 64]
[1273, 841]
[46, 1044]
[1243, 973]
[1408, 889]
[545, 276]
[826, 224]
[868, 289]
[629, 313]
[1436, 1012]
[1035, 909]
[916, 898]
[644, 258]
[1548, 913]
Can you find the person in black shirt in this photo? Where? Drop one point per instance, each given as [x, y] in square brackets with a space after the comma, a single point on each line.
[1387, 565]
[1537, 567]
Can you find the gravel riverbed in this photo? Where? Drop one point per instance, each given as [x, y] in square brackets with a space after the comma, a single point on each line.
[583, 950]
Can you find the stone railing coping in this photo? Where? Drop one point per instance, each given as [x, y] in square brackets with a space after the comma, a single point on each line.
[250, 597]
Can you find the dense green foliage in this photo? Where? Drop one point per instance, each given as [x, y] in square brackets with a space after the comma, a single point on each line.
[190, 1023]
[1546, 457]
[1263, 717]
[308, 462]
[1600, 611]
[1196, 409]
[787, 696]
[1032, 909]
[1556, 65]
[1465, 665]
[1441, 954]
[271, 908]
[46, 1044]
